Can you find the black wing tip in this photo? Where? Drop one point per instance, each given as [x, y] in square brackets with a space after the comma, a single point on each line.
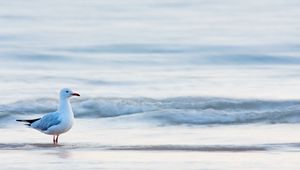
[27, 123]
[30, 121]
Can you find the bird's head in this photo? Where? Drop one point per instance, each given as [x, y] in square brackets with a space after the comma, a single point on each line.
[67, 93]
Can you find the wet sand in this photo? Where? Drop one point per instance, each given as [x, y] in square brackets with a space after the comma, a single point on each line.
[96, 144]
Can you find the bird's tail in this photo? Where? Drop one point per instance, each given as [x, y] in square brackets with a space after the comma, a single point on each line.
[28, 121]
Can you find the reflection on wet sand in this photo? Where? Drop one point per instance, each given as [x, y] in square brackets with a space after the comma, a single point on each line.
[63, 149]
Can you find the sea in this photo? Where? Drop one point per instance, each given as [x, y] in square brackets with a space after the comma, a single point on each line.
[177, 84]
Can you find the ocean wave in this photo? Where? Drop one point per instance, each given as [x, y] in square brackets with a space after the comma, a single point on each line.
[162, 55]
[171, 111]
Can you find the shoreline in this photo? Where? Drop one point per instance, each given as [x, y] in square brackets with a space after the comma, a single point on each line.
[98, 144]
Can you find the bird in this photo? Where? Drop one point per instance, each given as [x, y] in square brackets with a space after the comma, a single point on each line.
[58, 122]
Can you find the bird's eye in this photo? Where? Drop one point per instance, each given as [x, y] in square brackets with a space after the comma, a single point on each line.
[67, 91]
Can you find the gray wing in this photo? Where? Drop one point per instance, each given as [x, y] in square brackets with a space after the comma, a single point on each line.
[50, 119]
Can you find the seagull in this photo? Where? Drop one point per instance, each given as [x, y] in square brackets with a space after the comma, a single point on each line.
[58, 122]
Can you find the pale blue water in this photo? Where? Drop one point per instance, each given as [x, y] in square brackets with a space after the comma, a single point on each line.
[179, 64]
[167, 57]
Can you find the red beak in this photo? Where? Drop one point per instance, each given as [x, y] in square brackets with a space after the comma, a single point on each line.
[75, 94]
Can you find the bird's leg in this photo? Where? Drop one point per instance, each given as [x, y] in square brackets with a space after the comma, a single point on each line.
[56, 138]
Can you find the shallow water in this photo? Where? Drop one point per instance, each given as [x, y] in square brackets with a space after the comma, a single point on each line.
[164, 84]
[91, 144]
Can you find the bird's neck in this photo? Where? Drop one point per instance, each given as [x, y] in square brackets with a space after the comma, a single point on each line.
[65, 106]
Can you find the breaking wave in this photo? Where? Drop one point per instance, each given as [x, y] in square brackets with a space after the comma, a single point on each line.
[171, 111]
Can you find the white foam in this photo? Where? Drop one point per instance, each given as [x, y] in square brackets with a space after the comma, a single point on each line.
[184, 110]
